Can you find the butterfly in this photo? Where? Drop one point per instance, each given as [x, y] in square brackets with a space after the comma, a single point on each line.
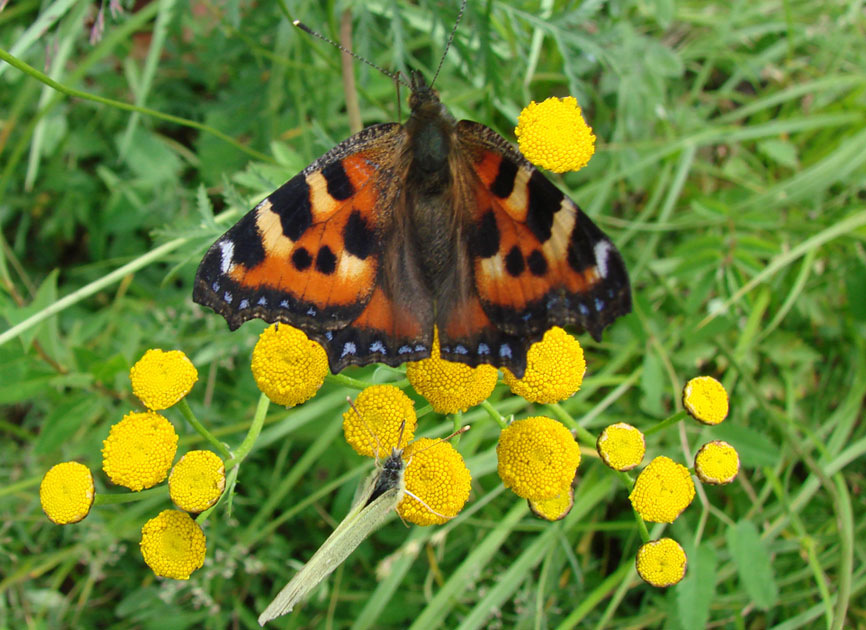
[405, 227]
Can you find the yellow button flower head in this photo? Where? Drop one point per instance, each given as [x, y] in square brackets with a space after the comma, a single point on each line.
[662, 491]
[197, 481]
[288, 366]
[661, 562]
[554, 509]
[66, 493]
[706, 400]
[537, 457]
[621, 446]
[554, 369]
[383, 410]
[139, 450]
[553, 135]
[437, 474]
[160, 379]
[717, 463]
[173, 544]
[448, 386]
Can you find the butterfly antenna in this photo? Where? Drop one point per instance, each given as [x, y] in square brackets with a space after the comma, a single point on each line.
[372, 433]
[338, 46]
[450, 39]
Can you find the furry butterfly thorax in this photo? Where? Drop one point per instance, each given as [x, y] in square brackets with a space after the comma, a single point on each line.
[403, 227]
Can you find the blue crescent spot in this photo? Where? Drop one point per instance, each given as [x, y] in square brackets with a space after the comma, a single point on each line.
[404, 350]
[329, 335]
[583, 309]
[215, 286]
[263, 301]
[460, 349]
[379, 347]
[227, 297]
[420, 347]
[483, 349]
[599, 305]
[245, 303]
[284, 304]
[348, 348]
[505, 351]
[526, 317]
[311, 311]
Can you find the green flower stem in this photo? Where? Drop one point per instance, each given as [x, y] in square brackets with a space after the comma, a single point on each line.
[68, 91]
[231, 480]
[200, 428]
[347, 381]
[130, 497]
[641, 527]
[252, 435]
[563, 416]
[667, 422]
[494, 414]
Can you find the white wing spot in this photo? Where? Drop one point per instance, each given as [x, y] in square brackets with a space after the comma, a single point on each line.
[602, 251]
[227, 248]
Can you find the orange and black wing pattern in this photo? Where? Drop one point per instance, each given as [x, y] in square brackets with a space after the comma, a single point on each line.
[537, 260]
[310, 255]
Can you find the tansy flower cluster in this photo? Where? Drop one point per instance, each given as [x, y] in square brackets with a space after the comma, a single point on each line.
[137, 454]
[436, 479]
[553, 135]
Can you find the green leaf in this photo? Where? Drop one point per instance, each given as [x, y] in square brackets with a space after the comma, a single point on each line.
[697, 590]
[754, 564]
[779, 151]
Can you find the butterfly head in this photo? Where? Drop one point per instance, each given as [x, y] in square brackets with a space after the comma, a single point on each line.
[424, 100]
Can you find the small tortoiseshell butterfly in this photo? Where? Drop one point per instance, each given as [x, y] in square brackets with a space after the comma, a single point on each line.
[404, 227]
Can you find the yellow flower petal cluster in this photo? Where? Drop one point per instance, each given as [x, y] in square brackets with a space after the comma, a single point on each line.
[537, 457]
[621, 446]
[706, 400]
[160, 379]
[554, 369]
[139, 450]
[661, 562]
[288, 366]
[197, 481]
[66, 493]
[717, 463]
[436, 474]
[553, 135]
[173, 545]
[448, 386]
[383, 409]
[554, 509]
[662, 491]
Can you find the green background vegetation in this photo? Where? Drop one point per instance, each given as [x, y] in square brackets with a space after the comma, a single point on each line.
[730, 172]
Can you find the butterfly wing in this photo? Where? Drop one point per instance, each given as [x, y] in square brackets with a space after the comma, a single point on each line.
[372, 506]
[311, 255]
[536, 259]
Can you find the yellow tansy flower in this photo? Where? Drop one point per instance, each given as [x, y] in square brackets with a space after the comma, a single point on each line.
[139, 450]
[197, 481]
[554, 509]
[661, 562]
[717, 463]
[553, 135]
[554, 369]
[383, 409]
[288, 366]
[537, 457]
[66, 493]
[621, 446]
[448, 386]
[662, 491]
[173, 545]
[160, 379]
[706, 400]
[437, 474]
